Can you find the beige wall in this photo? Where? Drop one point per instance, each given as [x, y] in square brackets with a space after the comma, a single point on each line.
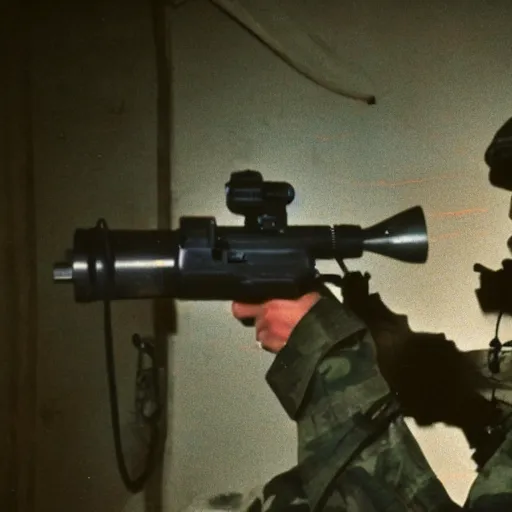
[441, 81]
[441, 75]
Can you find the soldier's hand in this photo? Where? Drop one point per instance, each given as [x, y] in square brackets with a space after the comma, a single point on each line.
[276, 319]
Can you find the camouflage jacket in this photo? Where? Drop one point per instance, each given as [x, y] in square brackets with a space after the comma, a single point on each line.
[355, 452]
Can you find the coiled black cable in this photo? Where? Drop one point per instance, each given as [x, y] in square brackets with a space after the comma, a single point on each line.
[136, 484]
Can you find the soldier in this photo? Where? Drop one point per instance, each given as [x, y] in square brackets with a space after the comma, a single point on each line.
[356, 453]
[347, 374]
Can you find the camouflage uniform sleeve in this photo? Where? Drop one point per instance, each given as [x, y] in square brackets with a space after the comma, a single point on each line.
[492, 489]
[314, 336]
[355, 451]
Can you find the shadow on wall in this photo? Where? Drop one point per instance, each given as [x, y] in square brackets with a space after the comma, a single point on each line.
[434, 380]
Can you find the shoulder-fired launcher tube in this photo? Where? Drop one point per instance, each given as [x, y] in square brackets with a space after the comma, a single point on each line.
[201, 261]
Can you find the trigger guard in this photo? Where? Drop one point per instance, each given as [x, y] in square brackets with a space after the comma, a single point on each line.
[333, 279]
[248, 322]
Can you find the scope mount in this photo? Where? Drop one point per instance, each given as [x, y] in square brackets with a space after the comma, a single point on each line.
[262, 203]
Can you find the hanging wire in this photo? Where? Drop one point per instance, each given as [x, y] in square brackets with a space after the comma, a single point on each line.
[136, 484]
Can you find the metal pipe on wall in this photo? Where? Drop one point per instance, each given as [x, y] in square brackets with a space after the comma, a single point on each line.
[164, 310]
